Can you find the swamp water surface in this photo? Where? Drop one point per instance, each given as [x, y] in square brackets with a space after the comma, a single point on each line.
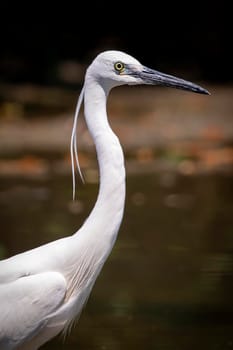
[168, 283]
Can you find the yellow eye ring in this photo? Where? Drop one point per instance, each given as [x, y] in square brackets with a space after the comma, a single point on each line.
[119, 66]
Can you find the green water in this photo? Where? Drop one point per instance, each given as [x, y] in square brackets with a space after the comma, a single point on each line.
[168, 283]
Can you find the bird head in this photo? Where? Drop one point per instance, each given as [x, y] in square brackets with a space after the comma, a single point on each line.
[114, 68]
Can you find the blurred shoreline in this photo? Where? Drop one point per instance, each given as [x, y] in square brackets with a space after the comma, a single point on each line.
[158, 127]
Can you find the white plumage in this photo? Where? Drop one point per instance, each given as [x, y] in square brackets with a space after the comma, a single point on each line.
[43, 290]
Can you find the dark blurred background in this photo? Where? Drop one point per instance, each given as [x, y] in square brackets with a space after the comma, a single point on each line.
[168, 282]
[188, 36]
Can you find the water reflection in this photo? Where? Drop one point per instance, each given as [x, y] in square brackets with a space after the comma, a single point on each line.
[168, 283]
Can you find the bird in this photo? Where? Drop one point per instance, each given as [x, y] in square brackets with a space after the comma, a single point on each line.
[43, 290]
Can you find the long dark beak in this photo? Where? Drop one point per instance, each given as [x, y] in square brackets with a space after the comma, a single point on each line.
[153, 77]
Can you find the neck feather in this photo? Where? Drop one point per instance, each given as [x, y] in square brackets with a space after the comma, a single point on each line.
[108, 211]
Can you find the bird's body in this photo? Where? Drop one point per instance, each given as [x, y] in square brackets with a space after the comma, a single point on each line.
[43, 290]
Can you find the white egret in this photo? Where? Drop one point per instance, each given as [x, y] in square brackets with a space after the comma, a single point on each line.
[43, 290]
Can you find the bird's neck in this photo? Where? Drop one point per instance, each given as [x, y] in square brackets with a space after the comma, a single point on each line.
[107, 214]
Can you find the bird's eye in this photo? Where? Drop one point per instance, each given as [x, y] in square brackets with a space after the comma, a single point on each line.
[119, 67]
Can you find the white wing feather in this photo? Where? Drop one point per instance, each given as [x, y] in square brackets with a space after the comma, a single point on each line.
[40, 294]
